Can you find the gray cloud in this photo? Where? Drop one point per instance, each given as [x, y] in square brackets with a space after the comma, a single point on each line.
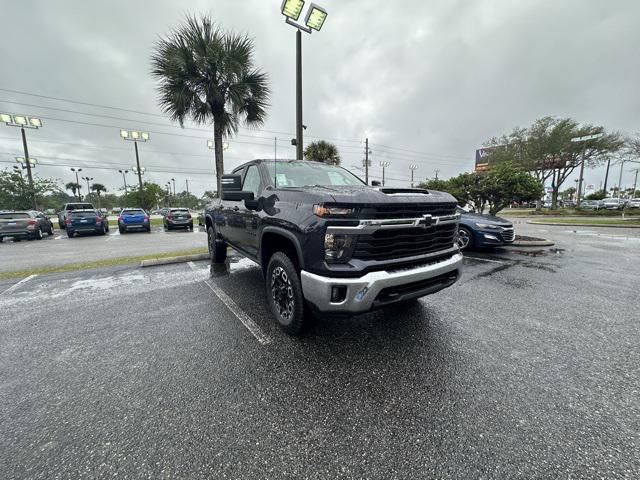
[439, 77]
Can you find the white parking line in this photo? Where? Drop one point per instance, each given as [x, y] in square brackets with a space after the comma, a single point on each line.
[236, 310]
[16, 285]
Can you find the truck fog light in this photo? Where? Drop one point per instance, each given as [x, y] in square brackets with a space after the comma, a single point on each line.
[338, 293]
[337, 248]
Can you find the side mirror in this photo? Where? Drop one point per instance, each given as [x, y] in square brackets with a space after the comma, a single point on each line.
[375, 183]
[232, 189]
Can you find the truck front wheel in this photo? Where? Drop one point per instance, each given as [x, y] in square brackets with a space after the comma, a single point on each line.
[284, 294]
[217, 248]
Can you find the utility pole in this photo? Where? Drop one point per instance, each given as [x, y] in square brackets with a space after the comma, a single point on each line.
[28, 162]
[606, 177]
[437, 170]
[187, 183]
[635, 184]
[366, 161]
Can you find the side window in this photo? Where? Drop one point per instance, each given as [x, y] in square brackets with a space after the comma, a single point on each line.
[252, 181]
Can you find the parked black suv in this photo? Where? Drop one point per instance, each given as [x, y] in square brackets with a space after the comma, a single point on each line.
[327, 241]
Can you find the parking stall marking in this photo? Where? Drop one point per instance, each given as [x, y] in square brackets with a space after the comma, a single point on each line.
[245, 319]
[18, 284]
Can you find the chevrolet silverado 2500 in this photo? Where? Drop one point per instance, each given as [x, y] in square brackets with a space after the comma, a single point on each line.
[330, 244]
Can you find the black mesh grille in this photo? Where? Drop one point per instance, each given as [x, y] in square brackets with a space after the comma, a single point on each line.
[391, 293]
[508, 235]
[387, 244]
[407, 210]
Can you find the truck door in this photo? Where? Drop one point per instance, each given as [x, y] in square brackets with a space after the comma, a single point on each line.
[251, 183]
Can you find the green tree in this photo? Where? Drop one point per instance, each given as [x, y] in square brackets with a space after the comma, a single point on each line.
[322, 151]
[546, 151]
[208, 75]
[568, 193]
[15, 193]
[74, 188]
[98, 188]
[505, 184]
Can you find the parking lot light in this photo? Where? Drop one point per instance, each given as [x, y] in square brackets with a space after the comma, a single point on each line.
[136, 136]
[292, 8]
[20, 120]
[35, 122]
[412, 167]
[5, 118]
[315, 17]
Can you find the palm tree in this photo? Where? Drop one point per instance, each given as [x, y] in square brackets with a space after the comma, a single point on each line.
[74, 187]
[98, 188]
[207, 75]
[322, 151]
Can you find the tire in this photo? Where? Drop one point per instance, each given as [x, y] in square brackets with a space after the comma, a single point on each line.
[38, 234]
[121, 230]
[148, 229]
[284, 294]
[50, 232]
[103, 231]
[217, 248]
[465, 238]
[70, 234]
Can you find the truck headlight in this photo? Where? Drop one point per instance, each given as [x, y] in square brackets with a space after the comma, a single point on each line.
[337, 248]
[331, 211]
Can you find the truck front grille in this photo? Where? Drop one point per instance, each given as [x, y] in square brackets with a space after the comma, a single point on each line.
[508, 234]
[388, 244]
[407, 210]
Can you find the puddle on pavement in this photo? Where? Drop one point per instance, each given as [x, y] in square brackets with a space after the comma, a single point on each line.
[233, 263]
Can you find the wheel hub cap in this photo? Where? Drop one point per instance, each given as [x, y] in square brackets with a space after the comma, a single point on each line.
[282, 292]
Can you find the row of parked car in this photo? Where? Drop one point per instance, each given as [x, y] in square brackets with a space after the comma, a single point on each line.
[610, 204]
[83, 218]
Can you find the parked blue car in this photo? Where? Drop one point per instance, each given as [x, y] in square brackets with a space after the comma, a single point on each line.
[478, 230]
[133, 219]
[85, 221]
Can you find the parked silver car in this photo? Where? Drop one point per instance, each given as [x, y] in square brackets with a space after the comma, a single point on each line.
[613, 203]
[24, 224]
[591, 204]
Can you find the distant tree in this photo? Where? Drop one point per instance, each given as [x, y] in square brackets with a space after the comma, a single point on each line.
[434, 184]
[568, 193]
[545, 149]
[322, 151]
[208, 75]
[98, 188]
[75, 189]
[15, 193]
[599, 195]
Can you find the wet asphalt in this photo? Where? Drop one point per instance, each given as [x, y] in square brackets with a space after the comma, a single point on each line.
[529, 367]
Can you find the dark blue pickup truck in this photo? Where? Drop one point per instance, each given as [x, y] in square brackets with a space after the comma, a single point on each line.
[329, 243]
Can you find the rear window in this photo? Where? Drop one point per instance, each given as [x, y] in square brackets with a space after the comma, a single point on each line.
[14, 215]
[79, 206]
[179, 210]
[132, 212]
[83, 214]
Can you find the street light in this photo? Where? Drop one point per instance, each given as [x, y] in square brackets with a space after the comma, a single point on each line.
[76, 170]
[384, 165]
[88, 179]
[136, 136]
[124, 179]
[168, 185]
[314, 20]
[413, 168]
[24, 121]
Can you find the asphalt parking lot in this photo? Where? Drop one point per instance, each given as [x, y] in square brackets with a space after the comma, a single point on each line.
[529, 367]
[59, 249]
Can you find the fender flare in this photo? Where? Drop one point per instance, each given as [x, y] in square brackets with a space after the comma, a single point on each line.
[285, 233]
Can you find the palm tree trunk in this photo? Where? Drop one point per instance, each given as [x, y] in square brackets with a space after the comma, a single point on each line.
[217, 141]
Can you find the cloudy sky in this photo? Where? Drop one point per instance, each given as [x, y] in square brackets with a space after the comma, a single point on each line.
[426, 81]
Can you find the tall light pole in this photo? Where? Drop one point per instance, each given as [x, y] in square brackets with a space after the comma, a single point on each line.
[313, 21]
[168, 185]
[23, 121]
[76, 170]
[88, 179]
[584, 139]
[384, 165]
[413, 168]
[635, 183]
[135, 137]
[173, 180]
[124, 179]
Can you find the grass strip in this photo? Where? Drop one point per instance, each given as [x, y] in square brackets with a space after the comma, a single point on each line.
[618, 222]
[109, 262]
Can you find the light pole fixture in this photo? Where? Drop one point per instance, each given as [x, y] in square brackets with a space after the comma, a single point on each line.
[124, 179]
[24, 121]
[384, 165]
[88, 179]
[136, 136]
[314, 20]
[168, 185]
[76, 170]
[584, 139]
[413, 168]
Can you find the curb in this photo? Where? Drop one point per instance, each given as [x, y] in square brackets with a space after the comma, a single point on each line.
[615, 225]
[532, 243]
[169, 260]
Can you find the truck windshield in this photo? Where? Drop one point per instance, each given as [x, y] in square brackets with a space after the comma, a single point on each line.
[301, 174]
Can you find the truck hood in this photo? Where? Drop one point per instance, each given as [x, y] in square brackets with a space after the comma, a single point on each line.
[355, 194]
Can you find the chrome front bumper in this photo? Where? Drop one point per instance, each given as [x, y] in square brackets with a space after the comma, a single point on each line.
[362, 292]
